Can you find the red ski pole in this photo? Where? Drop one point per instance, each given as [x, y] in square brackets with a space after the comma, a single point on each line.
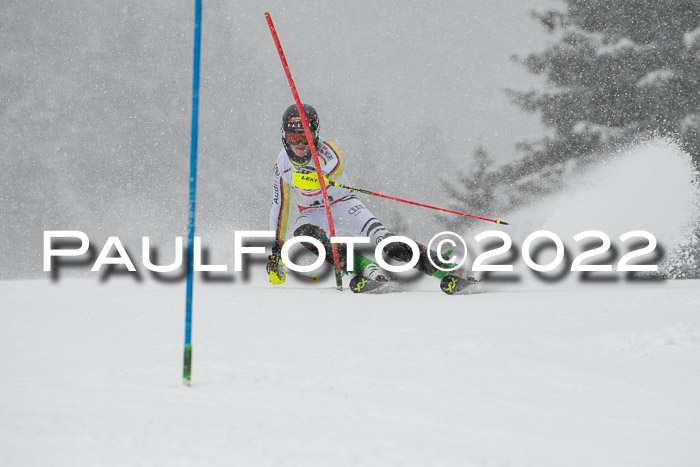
[497, 221]
[309, 137]
[309, 182]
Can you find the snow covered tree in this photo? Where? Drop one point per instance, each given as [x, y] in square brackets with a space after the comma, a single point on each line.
[618, 69]
[473, 192]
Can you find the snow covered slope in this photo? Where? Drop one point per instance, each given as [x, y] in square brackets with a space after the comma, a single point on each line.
[529, 373]
[525, 374]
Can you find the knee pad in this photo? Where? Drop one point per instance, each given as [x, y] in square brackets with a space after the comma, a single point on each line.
[399, 250]
[314, 231]
[402, 252]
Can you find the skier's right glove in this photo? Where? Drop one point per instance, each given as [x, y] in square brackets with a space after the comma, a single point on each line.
[275, 267]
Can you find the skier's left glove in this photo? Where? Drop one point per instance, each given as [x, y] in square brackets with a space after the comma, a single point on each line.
[275, 267]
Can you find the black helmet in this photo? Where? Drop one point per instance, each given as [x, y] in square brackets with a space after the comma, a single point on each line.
[291, 123]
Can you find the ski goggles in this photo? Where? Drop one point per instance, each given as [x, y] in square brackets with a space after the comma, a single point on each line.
[296, 138]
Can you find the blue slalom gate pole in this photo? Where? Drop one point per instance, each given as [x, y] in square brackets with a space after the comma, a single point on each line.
[187, 367]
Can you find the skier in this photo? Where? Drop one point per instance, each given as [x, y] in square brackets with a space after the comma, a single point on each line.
[349, 213]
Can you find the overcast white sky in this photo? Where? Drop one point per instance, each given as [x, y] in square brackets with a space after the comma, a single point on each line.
[447, 60]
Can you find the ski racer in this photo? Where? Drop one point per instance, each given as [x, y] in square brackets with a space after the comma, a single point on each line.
[349, 213]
